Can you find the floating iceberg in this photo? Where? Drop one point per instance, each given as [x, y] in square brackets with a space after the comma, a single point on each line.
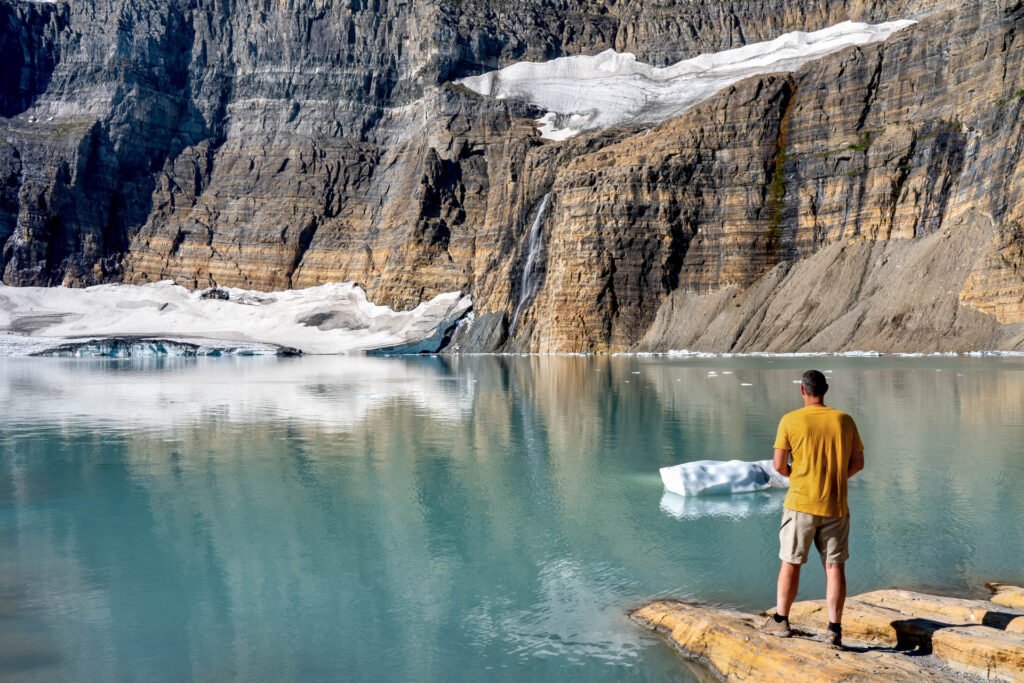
[708, 477]
[328, 319]
[611, 89]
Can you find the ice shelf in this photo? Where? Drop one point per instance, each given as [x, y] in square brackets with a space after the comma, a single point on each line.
[165, 319]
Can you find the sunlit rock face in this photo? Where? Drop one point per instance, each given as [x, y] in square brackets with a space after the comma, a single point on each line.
[274, 147]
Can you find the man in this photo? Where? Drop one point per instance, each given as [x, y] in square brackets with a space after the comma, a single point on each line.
[826, 451]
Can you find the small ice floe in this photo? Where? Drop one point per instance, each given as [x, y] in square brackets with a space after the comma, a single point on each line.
[706, 477]
[995, 354]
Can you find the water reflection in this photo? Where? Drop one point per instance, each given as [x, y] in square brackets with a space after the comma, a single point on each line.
[739, 506]
[176, 394]
[451, 518]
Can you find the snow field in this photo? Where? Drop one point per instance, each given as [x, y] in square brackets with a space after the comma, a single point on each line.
[593, 92]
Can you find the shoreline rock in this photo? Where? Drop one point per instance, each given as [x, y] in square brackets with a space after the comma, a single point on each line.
[890, 635]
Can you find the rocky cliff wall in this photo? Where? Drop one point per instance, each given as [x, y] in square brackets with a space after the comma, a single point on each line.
[272, 145]
[777, 192]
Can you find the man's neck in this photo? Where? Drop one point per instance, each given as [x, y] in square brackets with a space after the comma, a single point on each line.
[813, 401]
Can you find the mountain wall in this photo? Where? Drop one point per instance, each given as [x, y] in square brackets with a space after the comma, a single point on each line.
[872, 199]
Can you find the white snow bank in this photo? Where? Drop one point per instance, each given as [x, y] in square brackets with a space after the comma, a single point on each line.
[331, 318]
[610, 89]
[708, 477]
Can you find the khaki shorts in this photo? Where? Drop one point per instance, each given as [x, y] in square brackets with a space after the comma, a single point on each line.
[830, 535]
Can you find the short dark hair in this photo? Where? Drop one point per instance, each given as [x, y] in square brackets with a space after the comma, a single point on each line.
[814, 383]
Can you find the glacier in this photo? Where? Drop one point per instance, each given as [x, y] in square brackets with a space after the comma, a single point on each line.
[582, 93]
[163, 318]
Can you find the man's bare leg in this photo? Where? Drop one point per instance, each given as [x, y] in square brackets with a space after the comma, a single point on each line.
[835, 591]
[789, 582]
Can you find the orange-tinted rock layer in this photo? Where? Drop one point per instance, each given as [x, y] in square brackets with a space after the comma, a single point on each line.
[889, 635]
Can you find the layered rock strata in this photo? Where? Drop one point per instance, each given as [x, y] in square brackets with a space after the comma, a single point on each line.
[871, 200]
[946, 636]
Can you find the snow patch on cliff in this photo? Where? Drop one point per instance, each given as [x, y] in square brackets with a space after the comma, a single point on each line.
[609, 89]
[330, 318]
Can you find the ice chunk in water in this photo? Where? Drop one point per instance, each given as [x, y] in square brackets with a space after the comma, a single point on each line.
[707, 477]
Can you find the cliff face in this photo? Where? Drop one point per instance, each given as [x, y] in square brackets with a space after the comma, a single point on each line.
[872, 199]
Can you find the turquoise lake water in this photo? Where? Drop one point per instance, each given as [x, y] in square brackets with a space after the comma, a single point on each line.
[441, 519]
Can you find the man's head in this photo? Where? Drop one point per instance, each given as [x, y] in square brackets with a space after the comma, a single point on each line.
[813, 384]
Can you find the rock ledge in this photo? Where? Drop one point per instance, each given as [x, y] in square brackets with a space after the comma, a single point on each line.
[889, 634]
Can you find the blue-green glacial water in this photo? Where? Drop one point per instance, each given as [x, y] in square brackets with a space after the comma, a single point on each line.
[465, 519]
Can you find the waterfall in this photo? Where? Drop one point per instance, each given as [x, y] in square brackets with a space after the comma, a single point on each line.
[528, 284]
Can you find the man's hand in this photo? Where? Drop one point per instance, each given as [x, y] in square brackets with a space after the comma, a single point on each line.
[781, 462]
[856, 463]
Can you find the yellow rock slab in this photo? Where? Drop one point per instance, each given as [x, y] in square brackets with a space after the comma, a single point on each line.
[983, 651]
[968, 635]
[862, 622]
[935, 607]
[1007, 595]
[731, 644]
[976, 637]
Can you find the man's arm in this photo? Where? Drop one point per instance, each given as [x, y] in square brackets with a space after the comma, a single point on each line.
[856, 463]
[781, 461]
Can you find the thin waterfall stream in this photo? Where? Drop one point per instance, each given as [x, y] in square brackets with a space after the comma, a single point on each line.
[529, 283]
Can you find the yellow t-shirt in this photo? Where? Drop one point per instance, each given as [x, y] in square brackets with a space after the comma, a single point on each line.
[821, 439]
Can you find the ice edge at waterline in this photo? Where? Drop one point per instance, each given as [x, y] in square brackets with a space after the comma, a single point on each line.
[328, 319]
